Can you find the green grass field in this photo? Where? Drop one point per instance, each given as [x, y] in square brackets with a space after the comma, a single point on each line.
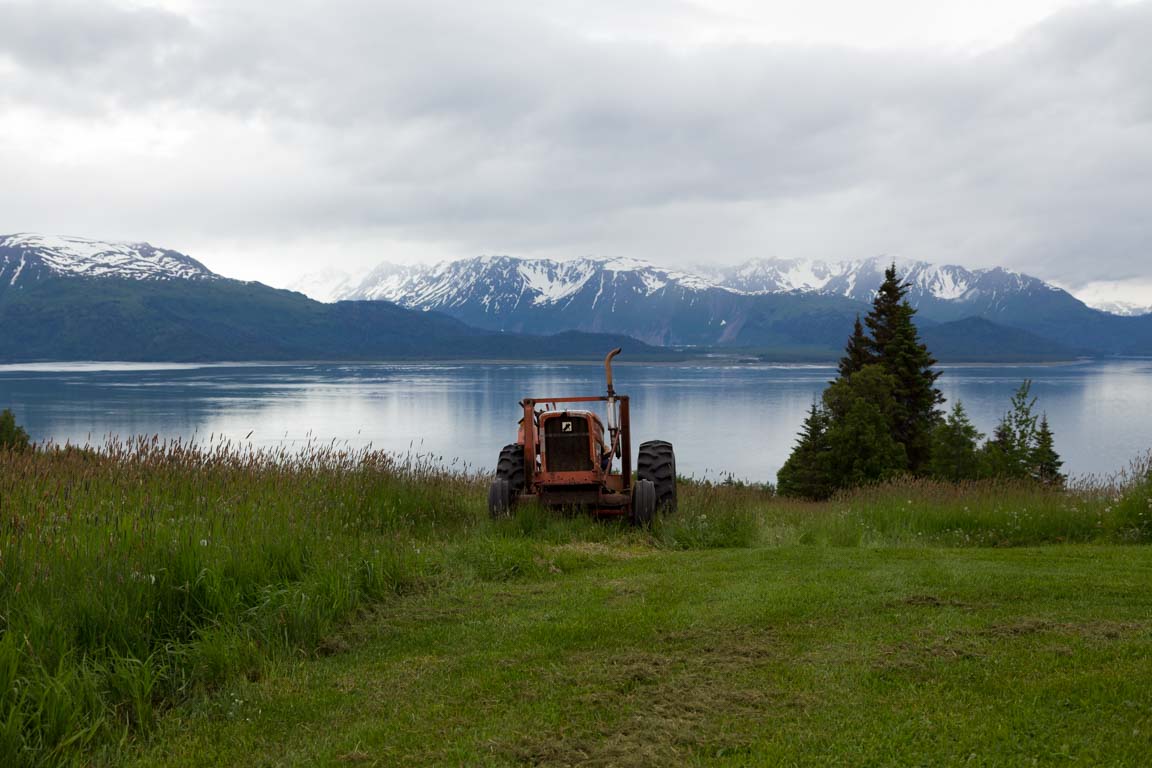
[169, 605]
[791, 656]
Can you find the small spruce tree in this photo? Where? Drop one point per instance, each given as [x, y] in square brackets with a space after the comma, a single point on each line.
[805, 474]
[12, 435]
[1045, 461]
[955, 449]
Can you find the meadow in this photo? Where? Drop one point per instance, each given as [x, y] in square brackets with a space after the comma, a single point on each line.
[149, 590]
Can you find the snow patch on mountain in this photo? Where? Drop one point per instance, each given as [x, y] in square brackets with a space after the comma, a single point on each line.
[781, 275]
[80, 257]
[943, 284]
[548, 282]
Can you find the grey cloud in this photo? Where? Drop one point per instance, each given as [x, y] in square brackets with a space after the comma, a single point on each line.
[76, 55]
[498, 127]
[63, 35]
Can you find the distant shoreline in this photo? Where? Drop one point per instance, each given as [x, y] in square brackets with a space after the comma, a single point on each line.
[50, 366]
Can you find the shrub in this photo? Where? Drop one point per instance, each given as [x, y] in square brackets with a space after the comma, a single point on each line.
[12, 436]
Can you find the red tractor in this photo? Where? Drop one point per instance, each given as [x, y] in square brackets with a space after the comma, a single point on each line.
[566, 458]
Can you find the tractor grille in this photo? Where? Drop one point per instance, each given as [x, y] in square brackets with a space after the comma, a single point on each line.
[566, 442]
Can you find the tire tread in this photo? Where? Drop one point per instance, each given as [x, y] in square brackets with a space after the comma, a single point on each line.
[657, 464]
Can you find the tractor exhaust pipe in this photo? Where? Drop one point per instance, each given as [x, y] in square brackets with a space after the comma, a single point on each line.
[613, 421]
[608, 370]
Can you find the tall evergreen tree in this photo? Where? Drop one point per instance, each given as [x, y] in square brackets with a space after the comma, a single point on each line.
[1045, 461]
[880, 412]
[889, 296]
[896, 346]
[846, 441]
[858, 352]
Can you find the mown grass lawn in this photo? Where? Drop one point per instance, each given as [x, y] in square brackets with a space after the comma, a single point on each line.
[790, 655]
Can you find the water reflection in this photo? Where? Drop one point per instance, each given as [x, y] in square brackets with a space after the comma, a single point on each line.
[740, 420]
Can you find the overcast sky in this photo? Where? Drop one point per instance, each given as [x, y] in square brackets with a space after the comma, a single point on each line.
[270, 139]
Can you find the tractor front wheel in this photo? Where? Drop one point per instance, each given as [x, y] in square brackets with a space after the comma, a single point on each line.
[657, 464]
[509, 472]
[499, 498]
[511, 467]
[643, 503]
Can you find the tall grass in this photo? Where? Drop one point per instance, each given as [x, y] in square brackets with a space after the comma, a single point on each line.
[993, 512]
[139, 573]
[912, 511]
[715, 515]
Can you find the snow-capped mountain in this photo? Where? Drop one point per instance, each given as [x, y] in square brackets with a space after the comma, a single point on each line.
[859, 279]
[781, 275]
[778, 303]
[75, 298]
[657, 305]
[544, 296]
[66, 298]
[26, 258]
[502, 282]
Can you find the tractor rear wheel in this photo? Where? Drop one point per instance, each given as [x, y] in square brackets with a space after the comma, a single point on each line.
[499, 498]
[643, 503]
[657, 464]
[511, 468]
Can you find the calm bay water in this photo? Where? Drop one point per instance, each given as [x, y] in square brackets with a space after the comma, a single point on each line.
[724, 419]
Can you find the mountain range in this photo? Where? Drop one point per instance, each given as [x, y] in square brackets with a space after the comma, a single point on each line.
[782, 308]
[66, 298]
[547, 281]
